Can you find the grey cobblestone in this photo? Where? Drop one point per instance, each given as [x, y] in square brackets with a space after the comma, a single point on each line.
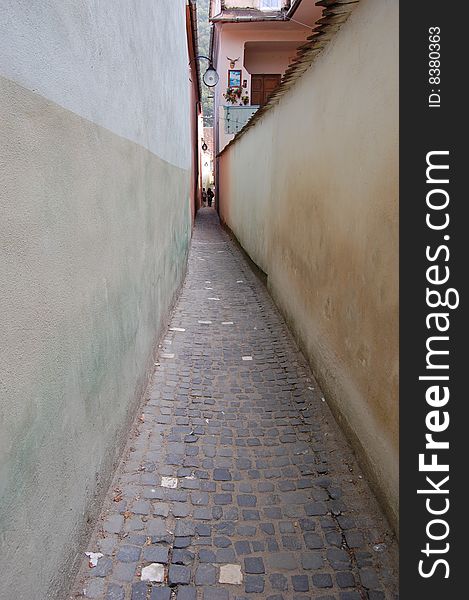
[345, 579]
[103, 568]
[254, 584]
[278, 581]
[253, 481]
[124, 571]
[322, 580]
[179, 574]
[160, 593]
[158, 554]
[139, 591]
[94, 588]
[128, 554]
[205, 575]
[212, 593]
[254, 565]
[115, 592]
[187, 593]
[300, 583]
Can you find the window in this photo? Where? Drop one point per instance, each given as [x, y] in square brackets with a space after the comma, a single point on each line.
[270, 5]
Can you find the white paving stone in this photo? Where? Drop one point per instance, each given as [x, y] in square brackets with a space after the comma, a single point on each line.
[154, 572]
[169, 482]
[231, 574]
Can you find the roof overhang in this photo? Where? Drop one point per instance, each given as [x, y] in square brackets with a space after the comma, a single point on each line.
[240, 15]
[192, 40]
[305, 12]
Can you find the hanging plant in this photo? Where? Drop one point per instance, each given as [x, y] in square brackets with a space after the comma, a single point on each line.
[232, 95]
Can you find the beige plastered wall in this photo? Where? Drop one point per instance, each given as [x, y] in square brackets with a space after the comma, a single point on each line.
[95, 223]
[311, 193]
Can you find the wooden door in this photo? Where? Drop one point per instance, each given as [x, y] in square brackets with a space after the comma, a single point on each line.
[262, 86]
[271, 82]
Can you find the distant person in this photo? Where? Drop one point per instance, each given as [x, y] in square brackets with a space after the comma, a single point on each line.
[210, 196]
[204, 197]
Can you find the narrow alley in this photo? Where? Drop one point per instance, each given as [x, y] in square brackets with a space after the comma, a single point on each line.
[236, 482]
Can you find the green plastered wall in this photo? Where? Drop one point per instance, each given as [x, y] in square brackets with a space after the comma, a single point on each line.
[95, 227]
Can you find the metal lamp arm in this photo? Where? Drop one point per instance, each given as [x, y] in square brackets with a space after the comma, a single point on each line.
[202, 56]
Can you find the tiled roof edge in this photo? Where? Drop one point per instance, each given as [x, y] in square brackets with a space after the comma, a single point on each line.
[334, 15]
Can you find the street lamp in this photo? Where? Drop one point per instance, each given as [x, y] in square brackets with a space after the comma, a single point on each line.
[210, 77]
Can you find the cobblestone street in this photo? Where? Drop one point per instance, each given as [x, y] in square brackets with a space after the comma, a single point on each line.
[236, 482]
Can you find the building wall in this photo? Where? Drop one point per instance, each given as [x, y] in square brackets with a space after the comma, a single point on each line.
[270, 61]
[207, 157]
[231, 39]
[318, 212]
[215, 7]
[251, 3]
[196, 125]
[95, 192]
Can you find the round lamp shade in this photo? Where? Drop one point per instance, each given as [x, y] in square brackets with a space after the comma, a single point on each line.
[210, 77]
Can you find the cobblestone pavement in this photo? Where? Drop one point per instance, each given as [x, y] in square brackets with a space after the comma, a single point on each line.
[236, 483]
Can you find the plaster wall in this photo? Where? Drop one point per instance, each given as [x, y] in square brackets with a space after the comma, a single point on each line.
[215, 7]
[241, 3]
[311, 194]
[207, 170]
[251, 3]
[231, 39]
[114, 62]
[270, 62]
[95, 224]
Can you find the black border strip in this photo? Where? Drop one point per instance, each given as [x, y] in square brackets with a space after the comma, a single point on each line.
[424, 128]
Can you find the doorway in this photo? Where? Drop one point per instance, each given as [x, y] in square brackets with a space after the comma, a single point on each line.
[262, 86]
